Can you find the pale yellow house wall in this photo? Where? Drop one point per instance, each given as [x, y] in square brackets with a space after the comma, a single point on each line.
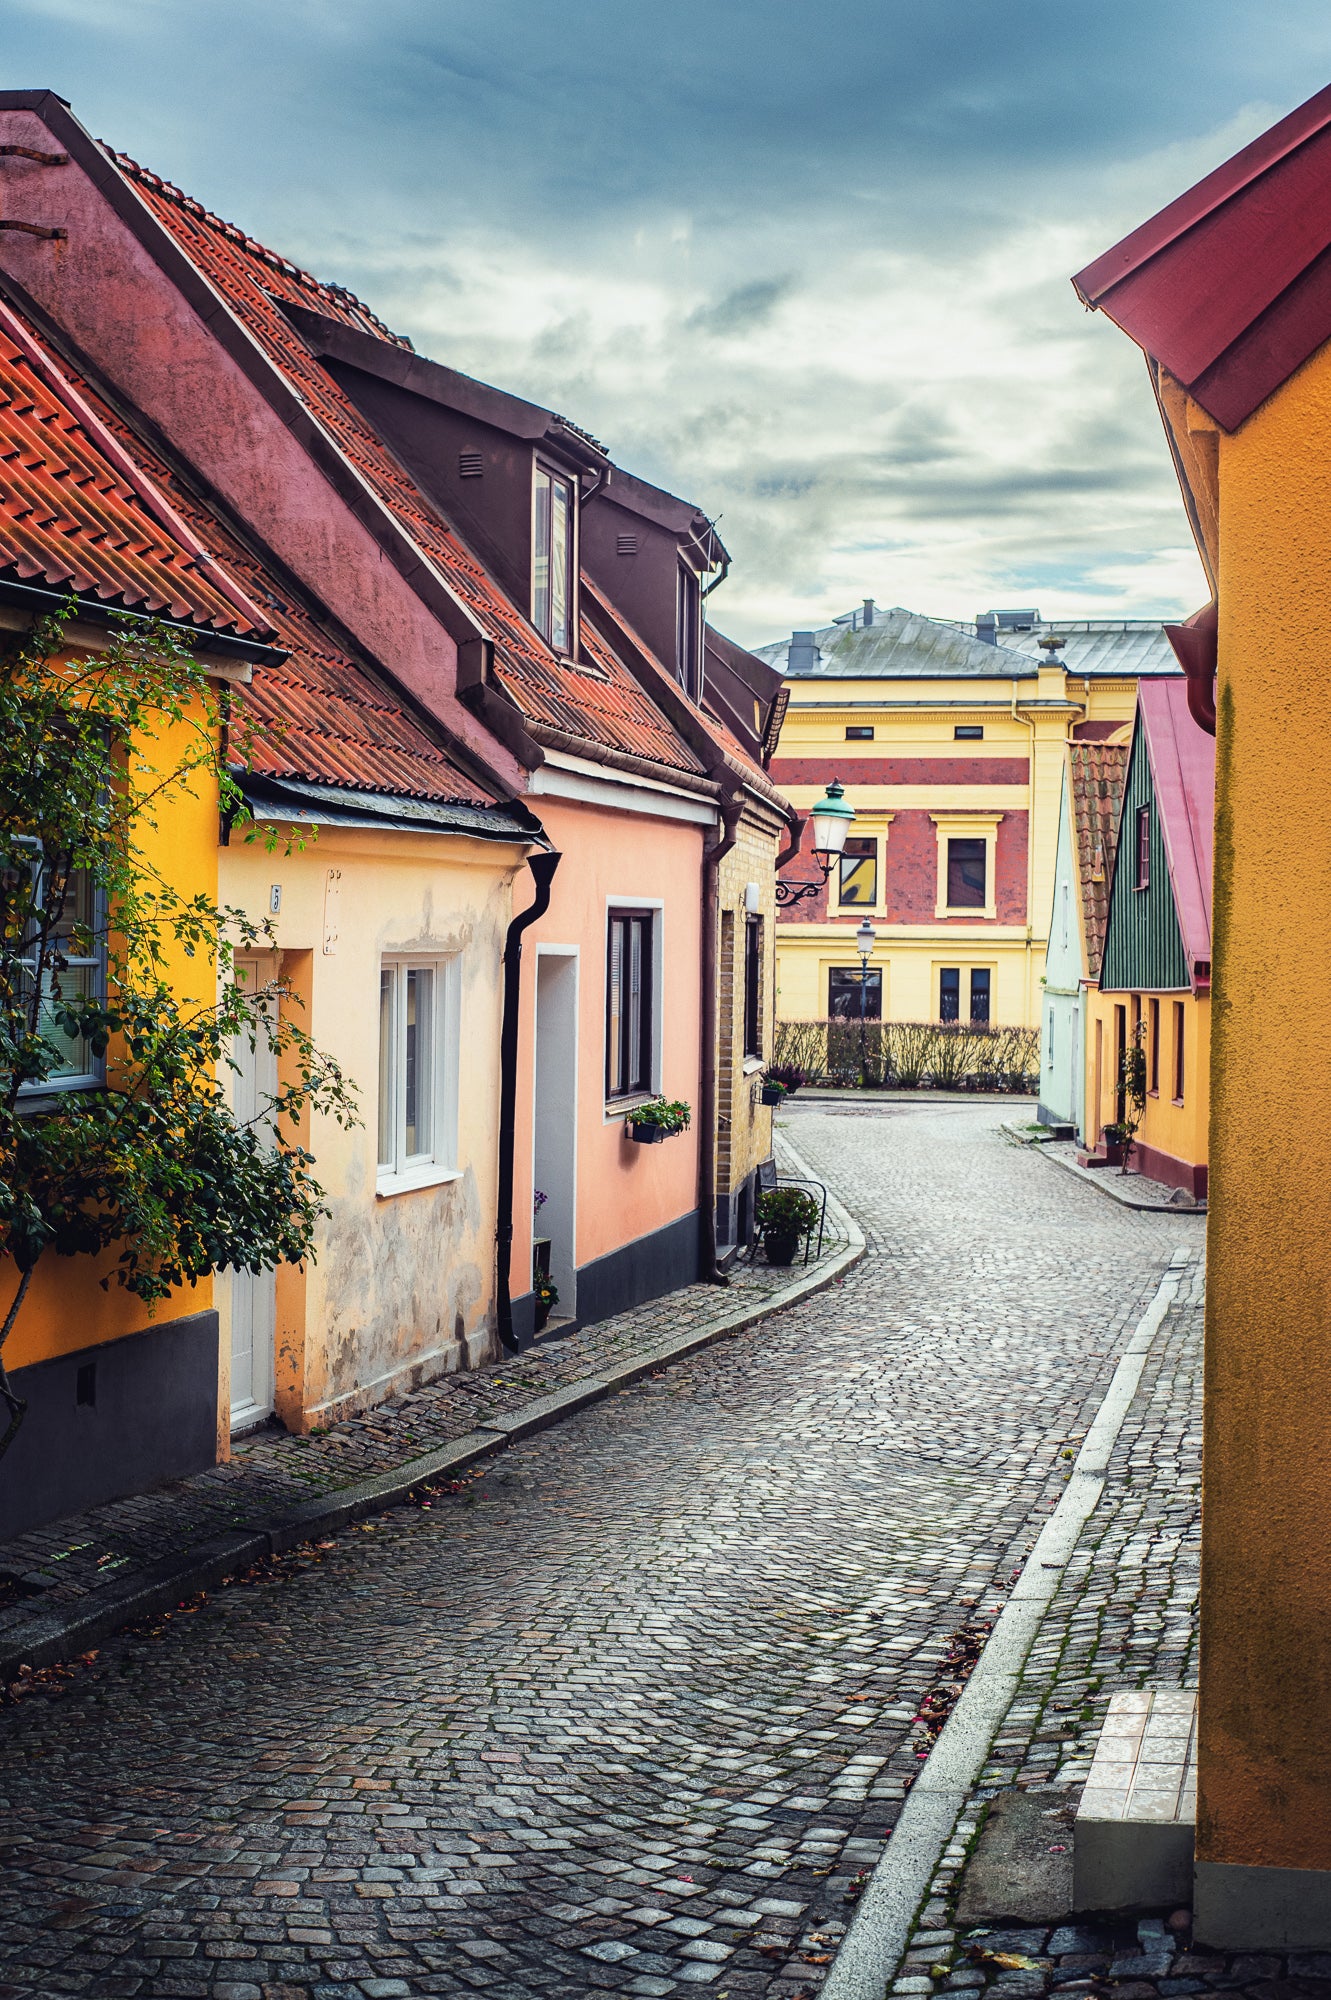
[744, 1134]
[402, 1286]
[1027, 724]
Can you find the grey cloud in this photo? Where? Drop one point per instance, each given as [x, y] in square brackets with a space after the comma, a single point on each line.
[742, 310]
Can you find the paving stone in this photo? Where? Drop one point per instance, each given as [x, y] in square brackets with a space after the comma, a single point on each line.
[644, 1669]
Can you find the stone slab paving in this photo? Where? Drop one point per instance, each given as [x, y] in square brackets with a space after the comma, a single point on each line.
[71, 1560]
[633, 1711]
[1124, 1617]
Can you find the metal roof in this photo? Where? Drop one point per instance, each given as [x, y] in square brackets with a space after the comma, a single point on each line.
[600, 701]
[1228, 287]
[902, 645]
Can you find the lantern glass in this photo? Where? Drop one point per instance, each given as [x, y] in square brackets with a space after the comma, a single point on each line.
[831, 821]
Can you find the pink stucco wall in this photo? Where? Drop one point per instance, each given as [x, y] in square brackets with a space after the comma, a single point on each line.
[112, 294]
[624, 1190]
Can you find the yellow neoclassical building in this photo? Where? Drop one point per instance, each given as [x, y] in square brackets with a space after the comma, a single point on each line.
[950, 742]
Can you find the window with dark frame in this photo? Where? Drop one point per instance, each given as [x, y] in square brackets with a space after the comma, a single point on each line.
[688, 631]
[1153, 1018]
[628, 1003]
[857, 879]
[980, 996]
[949, 993]
[753, 986]
[553, 543]
[967, 874]
[1142, 876]
[1178, 1051]
[968, 732]
[859, 732]
[843, 993]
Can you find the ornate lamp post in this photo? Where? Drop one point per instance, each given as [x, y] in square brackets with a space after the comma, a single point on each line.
[865, 939]
[831, 822]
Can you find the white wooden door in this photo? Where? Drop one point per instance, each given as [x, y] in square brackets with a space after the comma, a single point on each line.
[253, 1293]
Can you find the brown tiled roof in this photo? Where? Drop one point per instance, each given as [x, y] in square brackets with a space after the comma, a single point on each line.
[76, 516]
[318, 715]
[599, 702]
[1096, 774]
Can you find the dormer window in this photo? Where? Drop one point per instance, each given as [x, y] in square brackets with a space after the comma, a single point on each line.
[553, 538]
[688, 631]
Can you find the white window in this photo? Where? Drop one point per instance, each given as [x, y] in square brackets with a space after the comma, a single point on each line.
[418, 1048]
[554, 540]
[67, 935]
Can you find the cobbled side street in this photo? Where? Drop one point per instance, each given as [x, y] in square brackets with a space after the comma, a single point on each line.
[634, 1711]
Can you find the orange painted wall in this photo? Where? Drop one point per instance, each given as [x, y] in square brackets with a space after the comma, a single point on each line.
[623, 1190]
[66, 1307]
[1265, 1745]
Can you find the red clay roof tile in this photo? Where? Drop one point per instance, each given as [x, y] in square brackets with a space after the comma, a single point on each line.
[1097, 773]
[606, 706]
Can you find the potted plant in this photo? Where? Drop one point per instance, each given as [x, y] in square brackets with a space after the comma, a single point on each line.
[785, 1216]
[1115, 1139]
[659, 1118]
[786, 1078]
[547, 1297]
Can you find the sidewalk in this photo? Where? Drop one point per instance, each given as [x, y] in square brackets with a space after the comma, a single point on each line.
[1123, 1616]
[64, 1586]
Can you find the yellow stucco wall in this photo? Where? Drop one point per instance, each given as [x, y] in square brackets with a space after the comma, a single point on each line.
[66, 1308]
[1265, 1759]
[402, 1284]
[1176, 1130]
[1028, 720]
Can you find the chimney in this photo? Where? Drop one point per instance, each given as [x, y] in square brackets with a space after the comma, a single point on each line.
[868, 612]
[802, 654]
[986, 627]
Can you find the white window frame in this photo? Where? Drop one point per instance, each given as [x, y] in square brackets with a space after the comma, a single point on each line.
[968, 826]
[94, 1077]
[419, 1170]
[543, 469]
[615, 1107]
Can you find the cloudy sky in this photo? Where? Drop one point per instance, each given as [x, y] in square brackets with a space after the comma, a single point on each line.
[803, 261]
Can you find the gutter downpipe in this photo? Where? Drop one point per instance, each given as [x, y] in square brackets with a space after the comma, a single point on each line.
[543, 868]
[730, 808]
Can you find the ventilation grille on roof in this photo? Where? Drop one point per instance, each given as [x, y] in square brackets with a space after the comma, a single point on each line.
[626, 545]
[470, 464]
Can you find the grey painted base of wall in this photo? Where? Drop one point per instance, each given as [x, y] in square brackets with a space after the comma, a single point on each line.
[524, 1319]
[641, 1270]
[735, 1216]
[153, 1417]
[1261, 1909]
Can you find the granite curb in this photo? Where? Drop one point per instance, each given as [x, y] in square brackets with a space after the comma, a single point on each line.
[45, 1638]
[1103, 1178]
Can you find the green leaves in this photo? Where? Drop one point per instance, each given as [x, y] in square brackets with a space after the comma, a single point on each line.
[97, 759]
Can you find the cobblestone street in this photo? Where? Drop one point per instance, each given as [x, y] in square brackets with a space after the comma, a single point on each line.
[634, 1709]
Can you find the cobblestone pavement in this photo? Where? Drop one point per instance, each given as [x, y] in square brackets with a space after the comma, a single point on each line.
[1123, 1617]
[633, 1711]
[71, 1559]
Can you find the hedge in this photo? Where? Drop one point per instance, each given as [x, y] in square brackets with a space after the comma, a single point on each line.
[913, 1055]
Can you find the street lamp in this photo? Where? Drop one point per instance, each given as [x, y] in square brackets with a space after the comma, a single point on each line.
[831, 822]
[865, 939]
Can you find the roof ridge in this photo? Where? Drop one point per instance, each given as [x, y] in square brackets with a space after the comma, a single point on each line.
[133, 170]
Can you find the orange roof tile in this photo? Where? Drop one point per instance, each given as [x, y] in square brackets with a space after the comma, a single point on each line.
[76, 516]
[1097, 773]
[599, 702]
[320, 714]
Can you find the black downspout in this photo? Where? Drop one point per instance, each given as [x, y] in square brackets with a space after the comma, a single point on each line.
[713, 855]
[543, 868]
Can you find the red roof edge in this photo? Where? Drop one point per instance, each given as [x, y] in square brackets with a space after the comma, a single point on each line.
[1209, 194]
[1183, 770]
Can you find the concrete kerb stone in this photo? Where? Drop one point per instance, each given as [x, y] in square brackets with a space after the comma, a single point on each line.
[881, 1929]
[1108, 1181]
[47, 1637]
